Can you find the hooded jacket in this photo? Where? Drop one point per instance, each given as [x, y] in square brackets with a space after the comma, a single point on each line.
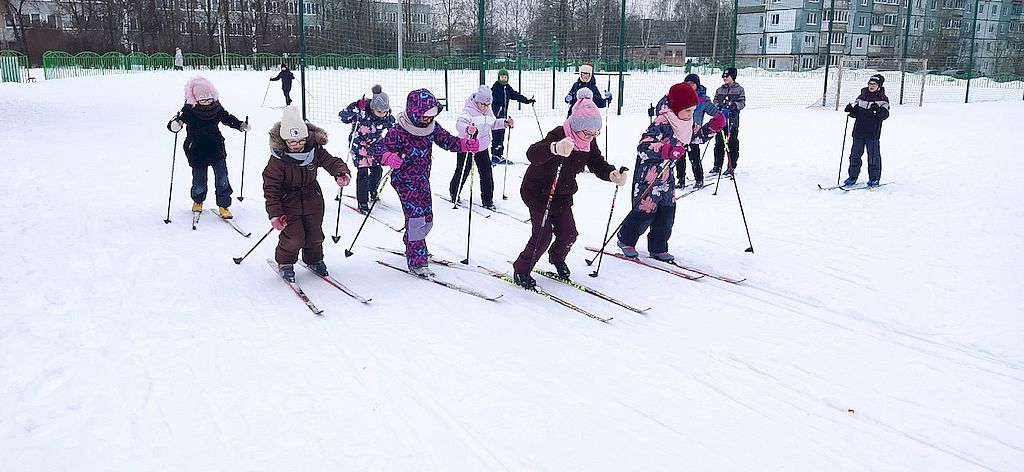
[289, 180]
[590, 84]
[869, 110]
[704, 105]
[367, 129]
[503, 94]
[484, 122]
[204, 143]
[541, 172]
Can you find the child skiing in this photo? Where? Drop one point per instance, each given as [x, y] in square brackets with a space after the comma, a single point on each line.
[407, 149]
[587, 80]
[704, 106]
[665, 141]
[370, 119]
[295, 203]
[204, 144]
[550, 182]
[868, 112]
[477, 121]
[503, 94]
[286, 77]
[730, 98]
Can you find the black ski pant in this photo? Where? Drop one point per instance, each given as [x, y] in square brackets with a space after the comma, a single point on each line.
[734, 148]
[693, 152]
[874, 158]
[498, 142]
[287, 97]
[464, 165]
[367, 181]
[660, 223]
[561, 225]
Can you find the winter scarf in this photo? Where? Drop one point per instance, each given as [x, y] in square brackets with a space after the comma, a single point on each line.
[207, 112]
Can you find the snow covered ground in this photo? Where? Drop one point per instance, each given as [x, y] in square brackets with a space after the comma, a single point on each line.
[876, 330]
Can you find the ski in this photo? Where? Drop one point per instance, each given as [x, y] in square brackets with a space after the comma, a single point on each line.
[561, 301]
[830, 187]
[379, 204]
[195, 218]
[646, 264]
[444, 283]
[295, 288]
[339, 286]
[379, 220]
[863, 187]
[486, 212]
[689, 191]
[455, 206]
[709, 274]
[232, 223]
[583, 288]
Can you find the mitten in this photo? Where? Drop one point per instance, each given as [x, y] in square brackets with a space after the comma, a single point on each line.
[174, 126]
[607, 96]
[244, 127]
[849, 107]
[568, 98]
[469, 144]
[343, 180]
[717, 123]
[391, 160]
[471, 129]
[362, 103]
[563, 147]
[672, 153]
[510, 123]
[619, 178]
[278, 222]
[531, 101]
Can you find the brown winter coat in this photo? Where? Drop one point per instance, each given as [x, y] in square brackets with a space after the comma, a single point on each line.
[537, 181]
[291, 189]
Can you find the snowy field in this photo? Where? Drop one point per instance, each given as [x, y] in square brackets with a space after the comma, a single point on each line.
[876, 331]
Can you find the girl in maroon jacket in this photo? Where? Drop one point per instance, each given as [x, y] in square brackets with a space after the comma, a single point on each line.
[564, 151]
[295, 201]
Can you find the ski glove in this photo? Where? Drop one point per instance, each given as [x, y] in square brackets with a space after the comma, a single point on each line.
[607, 96]
[343, 180]
[510, 123]
[471, 130]
[391, 160]
[874, 109]
[717, 123]
[278, 222]
[362, 103]
[469, 144]
[619, 178]
[531, 101]
[726, 111]
[568, 98]
[244, 127]
[672, 153]
[174, 126]
[563, 147]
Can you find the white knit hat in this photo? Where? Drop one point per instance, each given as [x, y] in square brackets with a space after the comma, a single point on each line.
[587, 68]
[292, 124]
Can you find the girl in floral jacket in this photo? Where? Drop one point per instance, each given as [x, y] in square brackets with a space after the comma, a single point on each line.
[664, 142]
[370, 119]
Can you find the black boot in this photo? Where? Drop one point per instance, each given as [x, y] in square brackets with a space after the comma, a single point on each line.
[288, 272]
[524, 280]
[320, 268]
[562, 268]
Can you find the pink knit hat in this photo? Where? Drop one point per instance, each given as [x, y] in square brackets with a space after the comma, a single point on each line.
[585, 115]
[199, 88]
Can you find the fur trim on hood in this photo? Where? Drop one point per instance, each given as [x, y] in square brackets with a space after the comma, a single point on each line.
[317, 135]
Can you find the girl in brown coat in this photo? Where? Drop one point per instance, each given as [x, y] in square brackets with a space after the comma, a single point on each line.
[565, 150]
[295, 202]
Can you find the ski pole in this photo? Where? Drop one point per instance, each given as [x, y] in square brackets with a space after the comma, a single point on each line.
[337, 220]
[376, 198]
[607, 226]
[537, 119]
[725, 139]
[732, 164]
[660, 175]
[264, 102]
[238, 260]
[469, 224]
[465, 172]
[842, 150]
[174, 155]
[504, 179]
[245, 141]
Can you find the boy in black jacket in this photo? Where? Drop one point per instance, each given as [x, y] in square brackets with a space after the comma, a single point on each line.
[286, 77]
[868, 111]
[503, 94]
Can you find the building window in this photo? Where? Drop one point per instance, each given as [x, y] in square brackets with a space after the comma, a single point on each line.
[773, 42]
[771, 63]
[932, 4]
[760, 21]
[860, 43]
[775, 19]
[931, 25]
[991, 27]
[880, 40]
[760, 43]
[952, 23]
[809, 40]
[890, 20]
[840, 16]
[837, 38]
[981, 8]
[812, 18]
[917, 23]
[861, 21]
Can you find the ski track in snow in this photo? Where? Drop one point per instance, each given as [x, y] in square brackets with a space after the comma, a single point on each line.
[875, 331]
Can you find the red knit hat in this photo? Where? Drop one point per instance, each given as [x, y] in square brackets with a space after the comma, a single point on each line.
[681, 96]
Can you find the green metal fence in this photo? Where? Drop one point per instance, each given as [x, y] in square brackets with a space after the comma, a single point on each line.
[13, 66]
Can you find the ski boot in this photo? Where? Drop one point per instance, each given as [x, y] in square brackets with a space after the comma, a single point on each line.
[524, 280]
[849, 182]
[628, 251]
[873, 183]
[320, 268]
[490, 206]
[364, 208]
[197, 206]
[225, 213]
[663, 257]
[715, 170]
[562, 268]
[422, 271]
[287, 272]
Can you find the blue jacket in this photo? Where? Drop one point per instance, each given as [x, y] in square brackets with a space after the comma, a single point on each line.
[704, 105]
[504, 94]
[592, 85]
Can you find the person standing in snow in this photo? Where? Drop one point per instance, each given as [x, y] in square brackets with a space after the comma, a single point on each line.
[562, 154]
[503, 94]
[295, 202]
[477, 121]
[370, 119]
[588, 81]
[179, 60]
[730, 98]
[868, 111]
[407, 149]
[704, 106]
[666, 140]
[286, 77]
[204, 144]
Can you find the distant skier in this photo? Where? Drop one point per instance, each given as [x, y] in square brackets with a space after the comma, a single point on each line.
[295, 202]
[869, 110]
[587, 80]
[503, 94]
[666, 141]
[562, 154]
[370, 119]
[286, 77]
[477, 121]
[204, 144]
[730, 98]
[407, 149]
[179, 60]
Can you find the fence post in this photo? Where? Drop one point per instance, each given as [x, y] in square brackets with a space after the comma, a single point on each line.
[828, 49]
[735, 43]
[970, 60]
[903, 63]
[554, 67]
[622, 55]
[519, 67]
